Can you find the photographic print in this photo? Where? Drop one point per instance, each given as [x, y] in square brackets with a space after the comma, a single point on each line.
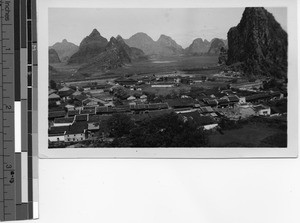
[162, 77]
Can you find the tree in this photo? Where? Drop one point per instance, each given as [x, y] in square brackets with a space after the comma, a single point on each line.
[119, 125]
[167, 131]
[150, 96]
[53, 85]
[118, 101]
[234, 81]
[120, 93]
[273, 83]
[195, 92]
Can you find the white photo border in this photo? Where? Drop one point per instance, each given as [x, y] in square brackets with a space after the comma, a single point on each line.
[42, 26]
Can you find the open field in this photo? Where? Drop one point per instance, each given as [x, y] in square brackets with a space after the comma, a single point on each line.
[250, 135]
[192, 65]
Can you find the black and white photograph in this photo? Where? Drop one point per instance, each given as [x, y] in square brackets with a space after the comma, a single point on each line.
[163, 77]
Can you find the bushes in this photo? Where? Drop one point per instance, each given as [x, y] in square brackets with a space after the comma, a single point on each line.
[163, 131]
[227, 124]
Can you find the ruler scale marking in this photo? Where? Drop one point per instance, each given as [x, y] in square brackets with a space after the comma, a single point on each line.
[18, 131]
[17, 51]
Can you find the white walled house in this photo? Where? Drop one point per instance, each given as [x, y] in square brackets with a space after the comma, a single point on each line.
[57, 134]
[262, 110]
[162, 85]
[76, 132]
[56, 138]
[242, 100]
[210, 126]
[63, 122]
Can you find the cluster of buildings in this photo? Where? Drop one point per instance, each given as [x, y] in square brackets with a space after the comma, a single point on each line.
[78, 115]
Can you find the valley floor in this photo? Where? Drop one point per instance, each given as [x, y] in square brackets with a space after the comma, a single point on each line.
[200, 103]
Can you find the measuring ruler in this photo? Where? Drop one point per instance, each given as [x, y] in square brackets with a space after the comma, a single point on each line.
[18, 110]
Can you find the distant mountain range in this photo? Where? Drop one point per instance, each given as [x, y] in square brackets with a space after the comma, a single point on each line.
[204, 47]
[64, 49]
[116, 54]
[166, 46]
[198, 47]
[215, 46]
[259, 44]
[94, 44]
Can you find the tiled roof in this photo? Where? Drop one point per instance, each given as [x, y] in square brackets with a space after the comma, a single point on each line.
[81, 118]
[64, 89]
[222, 101]
[206, 109]
[152, 106]
[65, 93]
[158, 105]
[233, 98]
[131, 98]
[51, 91]
[55, 109]
[257, 96]
[77, 128]
[260, 107]
[60, 130]
[73, 113]
[180, 103]
[63, 120]
[53, 96]
[76, 93]
[87, 111]
[153, 114]
[80, 97]
[99, 118]
[56, 114]
[124, 108]
[89, 107]
[212, 102]
[104, 109]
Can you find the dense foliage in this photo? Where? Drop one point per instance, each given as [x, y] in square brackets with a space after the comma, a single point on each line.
[163, 131]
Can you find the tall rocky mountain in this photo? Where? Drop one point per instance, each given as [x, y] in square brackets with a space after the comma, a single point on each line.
[142, 41]
[215, 46]
[198, 47]
[259, 43]
[116, 54]
[65, 49]
[90, 46]
[168, 46]
[53, 56]
[164, 46]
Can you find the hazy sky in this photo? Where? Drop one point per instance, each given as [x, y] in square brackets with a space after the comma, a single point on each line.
[183, 25]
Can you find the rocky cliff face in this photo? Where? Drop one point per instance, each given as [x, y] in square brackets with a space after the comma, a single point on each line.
[116, 54]
[198, 47]
[223, 56]
[215, 46]
[260, 43]
[90, 46]
[133, 52]
[65, 49]
[53, 57]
